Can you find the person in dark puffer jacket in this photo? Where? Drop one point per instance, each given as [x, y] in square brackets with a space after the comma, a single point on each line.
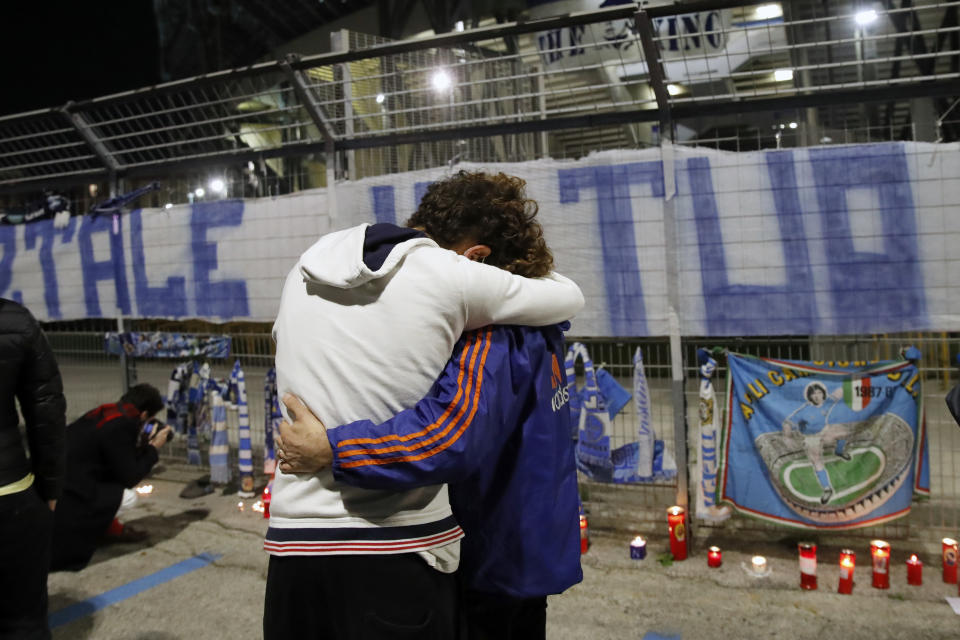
[29, 487]
[106, 455]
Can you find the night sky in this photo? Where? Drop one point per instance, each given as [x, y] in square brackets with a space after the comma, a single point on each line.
[53, 52]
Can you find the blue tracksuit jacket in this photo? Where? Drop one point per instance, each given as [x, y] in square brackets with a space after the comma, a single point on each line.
[496, 427]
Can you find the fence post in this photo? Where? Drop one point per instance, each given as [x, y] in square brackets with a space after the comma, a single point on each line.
[677, 393]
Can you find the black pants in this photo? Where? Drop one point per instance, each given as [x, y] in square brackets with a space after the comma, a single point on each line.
[492, 617]
[26, 525]
[358, 598]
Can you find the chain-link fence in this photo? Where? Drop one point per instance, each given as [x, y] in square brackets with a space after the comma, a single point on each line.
[91, 377]
[727, 75]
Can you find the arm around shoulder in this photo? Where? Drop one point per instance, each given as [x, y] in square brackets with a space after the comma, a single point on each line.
[495, 296]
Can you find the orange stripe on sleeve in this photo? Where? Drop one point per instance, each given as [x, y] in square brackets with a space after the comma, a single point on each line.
[464, 405]
[445, 445]
[450, 408]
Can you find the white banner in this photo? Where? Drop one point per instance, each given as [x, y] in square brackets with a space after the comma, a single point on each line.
[828, 240]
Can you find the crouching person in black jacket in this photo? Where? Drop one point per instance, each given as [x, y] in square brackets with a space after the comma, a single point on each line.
[105, 459]
[29, 488]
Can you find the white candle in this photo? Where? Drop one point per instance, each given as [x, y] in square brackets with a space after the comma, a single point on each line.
[759, 564]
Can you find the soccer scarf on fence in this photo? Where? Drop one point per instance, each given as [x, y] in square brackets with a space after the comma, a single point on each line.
[219, 441]
[271, 421]
[646, 437]
[588, 411]
[833, 445]
[197, 415]
[706, 506]
[238, 386]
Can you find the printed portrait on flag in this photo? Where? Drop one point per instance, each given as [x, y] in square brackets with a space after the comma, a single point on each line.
[834, 445]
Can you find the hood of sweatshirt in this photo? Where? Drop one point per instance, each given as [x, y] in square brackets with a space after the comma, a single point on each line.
[352, 257]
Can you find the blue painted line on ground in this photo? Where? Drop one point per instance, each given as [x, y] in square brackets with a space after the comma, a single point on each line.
[90, 605]
[653, 635]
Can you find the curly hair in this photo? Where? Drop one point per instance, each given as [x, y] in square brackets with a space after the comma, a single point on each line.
[487, 209]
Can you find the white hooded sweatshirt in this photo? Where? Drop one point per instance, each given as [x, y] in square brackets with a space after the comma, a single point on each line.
[367, 321]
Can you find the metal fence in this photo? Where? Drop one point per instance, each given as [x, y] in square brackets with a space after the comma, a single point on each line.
[91, 378]
[729, 75]
[722, 73]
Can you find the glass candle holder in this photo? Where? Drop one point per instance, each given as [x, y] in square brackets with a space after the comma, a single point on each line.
[677, 522]
[949, 560]
[584, 535]
[880, 555]
[808, 565]
[848, 562]
[714, 557]
[914, 571]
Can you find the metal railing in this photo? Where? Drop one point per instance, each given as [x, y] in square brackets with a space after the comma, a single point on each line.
[91, 378]
[543, 87]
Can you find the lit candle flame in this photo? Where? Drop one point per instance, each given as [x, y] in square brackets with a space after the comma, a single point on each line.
[638, 541]
[759, 564]
[144, 489]
[257, 506]
[240, 506]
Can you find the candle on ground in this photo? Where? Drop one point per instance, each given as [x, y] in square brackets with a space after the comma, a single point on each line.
[880, 555]
[808, 565]
[848, 561]
[714, 557]
[677, 522]
[914, 570]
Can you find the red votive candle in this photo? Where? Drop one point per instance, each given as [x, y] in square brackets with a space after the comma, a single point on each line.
[880, 554]
[714, 557]
[584, 535]
[848, 561]
[914, 570]
[950, 560]
[266, 502]
[808, 565]
[677, 521]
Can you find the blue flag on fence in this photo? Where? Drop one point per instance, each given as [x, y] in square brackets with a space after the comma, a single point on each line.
[834, 445]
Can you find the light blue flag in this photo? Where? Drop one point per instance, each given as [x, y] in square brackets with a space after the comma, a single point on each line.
[238, 387]
[219, 442]
[823, 445]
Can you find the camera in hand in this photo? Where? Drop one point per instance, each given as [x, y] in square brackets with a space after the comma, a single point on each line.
[154, 426]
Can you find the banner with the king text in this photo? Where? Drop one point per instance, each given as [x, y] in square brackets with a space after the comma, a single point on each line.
[823, 445]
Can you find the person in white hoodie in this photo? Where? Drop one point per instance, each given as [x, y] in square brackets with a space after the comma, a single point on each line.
[367, 321]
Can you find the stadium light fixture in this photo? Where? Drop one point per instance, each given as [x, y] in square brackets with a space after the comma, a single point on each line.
[865, 17]
[768, 11]
[198, 192]
[674, 89]
[793, 125]
[381, 98]
[441, 80]
[782, 75]
[217, 185]
[169, 205]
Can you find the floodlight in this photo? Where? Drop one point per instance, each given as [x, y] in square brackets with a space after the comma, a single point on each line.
[793, 125]
[381, 98]
[865, 17]
[441, 80]
[217, 185]
[781, 75]
[674, 89]
[768, 11]
[199, 192]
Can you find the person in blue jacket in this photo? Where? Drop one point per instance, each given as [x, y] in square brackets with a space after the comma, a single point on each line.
[496, 427]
